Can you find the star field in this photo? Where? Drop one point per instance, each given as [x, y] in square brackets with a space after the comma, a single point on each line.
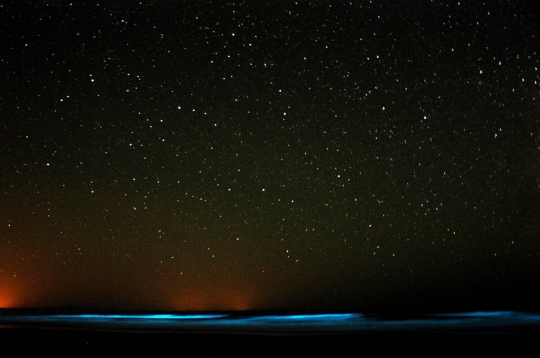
[309, 155]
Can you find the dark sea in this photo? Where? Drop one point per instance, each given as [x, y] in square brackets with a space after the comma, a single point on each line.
[225, 334]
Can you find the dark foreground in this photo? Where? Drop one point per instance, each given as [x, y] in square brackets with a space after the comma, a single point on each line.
[225, 335]
[68, 343]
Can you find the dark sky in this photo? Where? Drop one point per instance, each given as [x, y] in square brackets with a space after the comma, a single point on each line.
[335, 155]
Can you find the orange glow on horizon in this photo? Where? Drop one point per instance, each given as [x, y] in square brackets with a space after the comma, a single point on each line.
[8, 298]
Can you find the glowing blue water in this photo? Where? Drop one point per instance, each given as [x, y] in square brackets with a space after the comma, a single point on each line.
[496, 321]
[480, 314]
[309, 317]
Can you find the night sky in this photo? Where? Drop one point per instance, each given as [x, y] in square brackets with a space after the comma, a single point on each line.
[323, 155]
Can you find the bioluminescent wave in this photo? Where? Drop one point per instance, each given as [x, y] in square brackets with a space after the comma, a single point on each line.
[345, 323]
[309, 317]
[482, 314]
